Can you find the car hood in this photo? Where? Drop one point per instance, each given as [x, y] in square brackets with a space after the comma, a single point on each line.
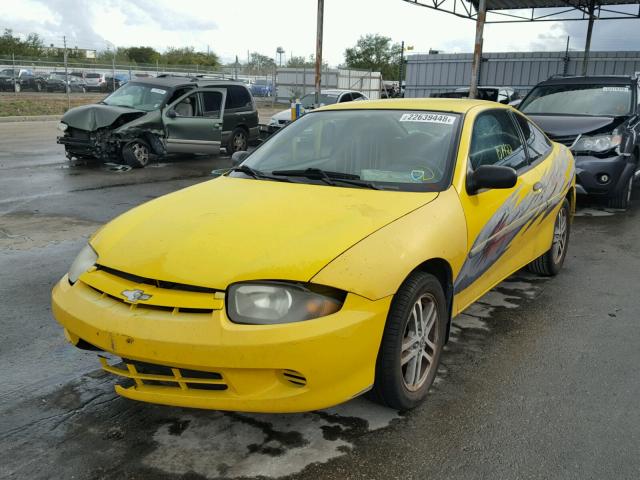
[564, 125]
[282, 115]
[233, 229]
[92, 117]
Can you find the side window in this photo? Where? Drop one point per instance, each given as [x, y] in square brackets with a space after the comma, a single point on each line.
[188, 107]
[211, 103]
[495, 141]
[345, 98]
[177, 94]
[238, 97]
[356, 96]
[537, 144]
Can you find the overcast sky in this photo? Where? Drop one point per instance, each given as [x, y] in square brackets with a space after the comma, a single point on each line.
[232, 27]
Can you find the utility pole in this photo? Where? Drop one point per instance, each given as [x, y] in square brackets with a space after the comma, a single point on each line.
[477, 49]
[565, 70]
[113, 68]
[587, 46]
[320, 20]
[400, 66]
[235, 69]
[67, 87]
[13, 74]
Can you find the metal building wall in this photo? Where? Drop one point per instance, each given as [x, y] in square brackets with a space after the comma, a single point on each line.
[427, 74]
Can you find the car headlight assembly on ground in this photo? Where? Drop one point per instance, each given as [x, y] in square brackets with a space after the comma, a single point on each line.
[275, 302]
[597, 143]
[86, 259]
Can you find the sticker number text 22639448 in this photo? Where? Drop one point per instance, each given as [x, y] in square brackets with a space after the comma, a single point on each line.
[428, 117]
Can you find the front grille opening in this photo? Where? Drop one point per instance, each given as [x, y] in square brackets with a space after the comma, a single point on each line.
[166, 377]
[294, 378]
[207, 386]
[148, 306]
[157, 283]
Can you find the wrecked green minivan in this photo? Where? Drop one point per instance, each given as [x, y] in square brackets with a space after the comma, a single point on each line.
[160, 116]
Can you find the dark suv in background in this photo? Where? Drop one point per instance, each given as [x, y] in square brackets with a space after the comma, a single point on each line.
[598, 118]
[159, 116]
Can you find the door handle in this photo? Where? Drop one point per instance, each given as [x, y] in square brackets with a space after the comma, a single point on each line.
[538, 187]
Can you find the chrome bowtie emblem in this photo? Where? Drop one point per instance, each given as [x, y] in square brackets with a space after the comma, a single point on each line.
[135, 295]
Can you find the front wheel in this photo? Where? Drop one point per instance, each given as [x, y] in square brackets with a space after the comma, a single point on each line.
[17, 87]
[411, 343]
[238, 142]
[549, 263]
[136, 154]
[622, 199]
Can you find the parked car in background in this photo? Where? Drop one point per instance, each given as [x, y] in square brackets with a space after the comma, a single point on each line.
[95, 82]
[327, 97]
[262, 88]
[60, 82]
[163, 115]
[598, 118]
[328, 264]
[19, 79]
[109, 83]
[503, 95]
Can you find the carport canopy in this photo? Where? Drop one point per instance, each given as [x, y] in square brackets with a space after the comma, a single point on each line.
[511, 11]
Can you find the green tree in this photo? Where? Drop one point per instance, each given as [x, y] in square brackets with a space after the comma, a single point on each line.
[32, 46]
[142, 54]
[189, 56]
[297, 62]
[259, 63]
[375, 52]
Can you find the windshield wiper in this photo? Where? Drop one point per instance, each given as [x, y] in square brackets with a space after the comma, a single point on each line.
[257, 174]
[330, 178]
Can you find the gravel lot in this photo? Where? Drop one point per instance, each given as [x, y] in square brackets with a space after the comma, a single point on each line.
[540, 379]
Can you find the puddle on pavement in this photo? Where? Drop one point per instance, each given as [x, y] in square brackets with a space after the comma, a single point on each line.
[156, 442]
[24, 231]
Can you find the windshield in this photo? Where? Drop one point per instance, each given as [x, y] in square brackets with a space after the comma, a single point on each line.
[57, 76]
[6, 71]
[325, 99]
[92, 75]
[592, 99]
[136, 95]
[262, 82]
[392, 149]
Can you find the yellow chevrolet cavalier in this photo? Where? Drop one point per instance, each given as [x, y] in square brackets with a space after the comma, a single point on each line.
[328, 263]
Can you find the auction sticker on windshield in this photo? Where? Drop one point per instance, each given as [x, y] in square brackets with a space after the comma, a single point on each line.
[615, 89]
[158, 90]
[428, 117]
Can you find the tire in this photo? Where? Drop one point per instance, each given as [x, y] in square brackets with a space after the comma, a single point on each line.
[38, 87]
[136, 154]
[622, 199]
[238, 141]
[404, 386]
[17, 87]
[550, 263]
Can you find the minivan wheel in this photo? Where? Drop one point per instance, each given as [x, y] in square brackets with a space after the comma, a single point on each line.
[412, 343]
[136, 154]
[238, 142]
[549, 263]
[17, 87]
[622, 199]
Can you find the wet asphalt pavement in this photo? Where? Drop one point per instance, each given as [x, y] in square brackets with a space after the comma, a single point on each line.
[540, 379]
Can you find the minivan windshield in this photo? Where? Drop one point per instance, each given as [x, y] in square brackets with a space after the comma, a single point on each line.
[389, 149]
[137, 95]
[579, 99]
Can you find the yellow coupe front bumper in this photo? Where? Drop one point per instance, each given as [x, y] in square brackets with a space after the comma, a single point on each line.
[202, 360]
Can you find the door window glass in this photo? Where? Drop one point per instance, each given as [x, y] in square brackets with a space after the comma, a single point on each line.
[537, 144]
[211, 103]
[345, 98]
[188, 107]
[238, 97]
[495, 141]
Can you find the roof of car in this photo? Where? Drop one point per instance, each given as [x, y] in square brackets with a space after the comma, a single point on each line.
[456, 105]
[606, 79]
[175, 81]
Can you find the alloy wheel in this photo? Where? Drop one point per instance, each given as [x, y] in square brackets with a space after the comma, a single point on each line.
[239, 142]
[419, 343]
[141, 152]
[560, 232]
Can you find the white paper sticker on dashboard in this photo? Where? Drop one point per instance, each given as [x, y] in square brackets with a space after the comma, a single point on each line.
[615, 89]
[158, 90]
[428, 117]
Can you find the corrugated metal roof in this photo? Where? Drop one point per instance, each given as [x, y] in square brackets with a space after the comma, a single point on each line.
[522, 4]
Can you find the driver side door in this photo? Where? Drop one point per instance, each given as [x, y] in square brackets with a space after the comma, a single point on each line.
[193, 122]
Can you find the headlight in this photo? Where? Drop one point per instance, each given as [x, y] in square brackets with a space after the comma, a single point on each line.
[86, 259]
[269, 303]
[597, 143]
[62, 126]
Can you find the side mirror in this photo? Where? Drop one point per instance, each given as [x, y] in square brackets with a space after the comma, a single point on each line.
[172, 113]
[238, 157]
[491, 176]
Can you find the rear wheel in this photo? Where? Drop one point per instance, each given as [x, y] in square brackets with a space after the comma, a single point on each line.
[238, 142]
[136, 154]
[549, 263]
[411, 343]
[622, 199]
[17, 87]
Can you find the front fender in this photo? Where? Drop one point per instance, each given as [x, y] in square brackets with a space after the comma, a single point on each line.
[376, 266]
